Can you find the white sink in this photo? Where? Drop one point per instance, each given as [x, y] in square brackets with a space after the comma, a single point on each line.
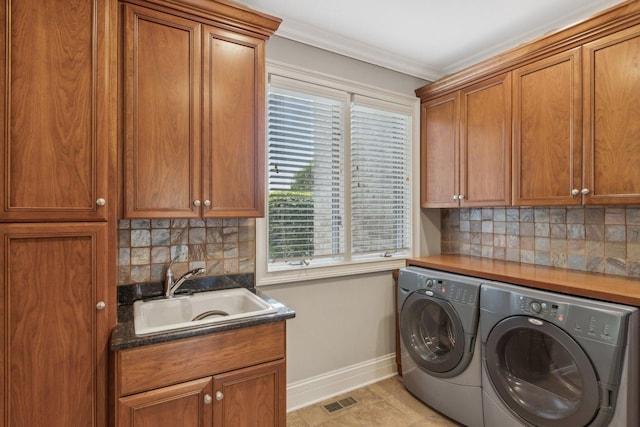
[192, 311]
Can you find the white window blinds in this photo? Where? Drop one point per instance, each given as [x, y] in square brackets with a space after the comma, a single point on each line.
[306, 183]
[317, 213]
[380, 170]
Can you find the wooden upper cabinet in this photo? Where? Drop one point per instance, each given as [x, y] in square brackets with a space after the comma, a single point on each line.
[58, 114]
[55, 332]
[162, 114]
[466, 146]
[439, 152]
[193, 113]
[547, 149]
[612, 119]
[485, 143]
[233, 119]
[575, 108]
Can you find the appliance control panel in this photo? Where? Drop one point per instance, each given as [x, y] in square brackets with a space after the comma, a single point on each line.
[598, 325]
[452, 291]
[547, 310]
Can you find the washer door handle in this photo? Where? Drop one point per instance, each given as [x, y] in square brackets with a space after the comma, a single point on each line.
[536, 322]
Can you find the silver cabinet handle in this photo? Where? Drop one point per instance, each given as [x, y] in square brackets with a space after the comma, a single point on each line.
[455, 197]
[207, 203]
[196, 203]
[219, 395]
[575, 192]
[207, 399]
[461, 197]
[585, 191]
[101, 305]
[101, 202]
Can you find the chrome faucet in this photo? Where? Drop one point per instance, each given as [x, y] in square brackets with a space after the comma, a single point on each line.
[170, 287]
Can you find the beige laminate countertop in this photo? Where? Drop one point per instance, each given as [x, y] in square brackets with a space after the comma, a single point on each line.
[605, 287]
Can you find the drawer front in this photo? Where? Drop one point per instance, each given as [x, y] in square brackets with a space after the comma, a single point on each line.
[159, 365]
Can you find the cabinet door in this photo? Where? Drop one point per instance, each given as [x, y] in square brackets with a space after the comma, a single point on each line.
[53, 346]
[58, 113]
[547, 148]
[183, 405]
[251, 397]
[161, 114]
[612, 118]
[439, 152]
[485, 143]
[233, 132]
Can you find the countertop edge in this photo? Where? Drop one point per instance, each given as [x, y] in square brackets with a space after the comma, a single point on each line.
[606, 287]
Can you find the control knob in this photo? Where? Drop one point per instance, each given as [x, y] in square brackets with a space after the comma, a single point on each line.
[535, 307]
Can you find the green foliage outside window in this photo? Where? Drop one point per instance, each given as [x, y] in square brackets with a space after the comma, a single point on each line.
[290, 224]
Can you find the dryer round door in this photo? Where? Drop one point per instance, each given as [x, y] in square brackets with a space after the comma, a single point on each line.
[541, 373]
[432, 333]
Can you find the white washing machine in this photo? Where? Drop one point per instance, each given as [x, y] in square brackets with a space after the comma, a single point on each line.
[441, 360]
[551, 360]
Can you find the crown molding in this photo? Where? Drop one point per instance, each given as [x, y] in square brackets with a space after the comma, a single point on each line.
[548, 28]
[314, 36]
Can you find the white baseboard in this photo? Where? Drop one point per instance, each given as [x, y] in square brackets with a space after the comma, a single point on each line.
[315, 389]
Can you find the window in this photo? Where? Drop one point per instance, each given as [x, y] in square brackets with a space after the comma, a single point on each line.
[305, 140]
[380, 170]
[338, 177]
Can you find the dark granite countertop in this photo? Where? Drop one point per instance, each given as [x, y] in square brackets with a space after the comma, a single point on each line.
[123, 335]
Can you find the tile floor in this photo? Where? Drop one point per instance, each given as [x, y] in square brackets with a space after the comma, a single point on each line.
[386, 404]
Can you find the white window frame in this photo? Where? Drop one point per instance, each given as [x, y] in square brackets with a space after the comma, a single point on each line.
[405, 103]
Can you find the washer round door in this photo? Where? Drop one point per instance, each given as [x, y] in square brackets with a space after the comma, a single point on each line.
[432, 333]
[541, 373]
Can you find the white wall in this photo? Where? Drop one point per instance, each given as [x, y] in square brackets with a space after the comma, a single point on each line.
[339, 322]
[343, 334]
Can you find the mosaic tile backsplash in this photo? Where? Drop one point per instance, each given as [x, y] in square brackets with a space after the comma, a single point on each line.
[597, 239]
[221, 246]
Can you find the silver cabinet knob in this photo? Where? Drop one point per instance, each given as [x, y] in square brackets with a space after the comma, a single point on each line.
[461, 197]
[207, 203]
[207, 399]
[219, 395]
[101, 305]
[196, 203]
[575, 192]
[585, 191]
[101, 202]
[455, 197]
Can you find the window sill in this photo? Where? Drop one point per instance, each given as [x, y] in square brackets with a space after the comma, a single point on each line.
[315, 273]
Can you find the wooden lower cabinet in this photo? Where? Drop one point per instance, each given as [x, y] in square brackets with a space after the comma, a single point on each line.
[253, 396]
[187, 404]
[234, 378]
[54, 320]
[396, 274]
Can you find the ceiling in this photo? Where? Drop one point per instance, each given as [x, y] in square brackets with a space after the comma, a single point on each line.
[423, 38]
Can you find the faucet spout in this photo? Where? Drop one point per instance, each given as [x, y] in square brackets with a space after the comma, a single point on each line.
[171, 287]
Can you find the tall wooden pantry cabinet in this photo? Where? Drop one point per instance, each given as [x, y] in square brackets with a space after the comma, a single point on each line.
[58, 163]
